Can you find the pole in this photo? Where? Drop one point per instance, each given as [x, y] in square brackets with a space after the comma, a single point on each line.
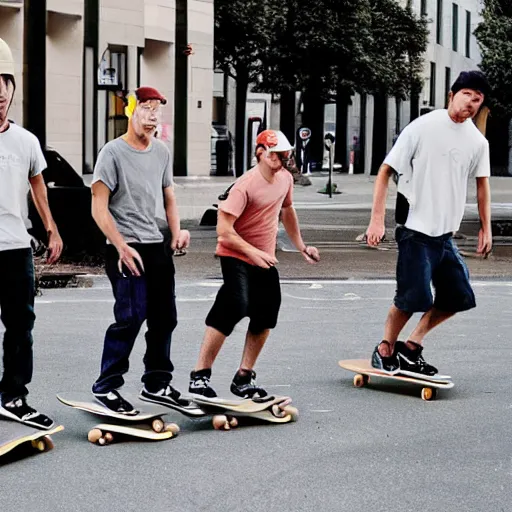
[34, 68]
[331, 165]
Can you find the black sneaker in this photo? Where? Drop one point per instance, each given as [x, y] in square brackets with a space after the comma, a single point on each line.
[164, 396]
[244, 385]
[116, 403]
[18, 410]
[411, 361]
[200, 383]
[384, 364]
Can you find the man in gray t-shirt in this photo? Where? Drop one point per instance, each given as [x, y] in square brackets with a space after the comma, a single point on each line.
[132, 178]
[21, 166]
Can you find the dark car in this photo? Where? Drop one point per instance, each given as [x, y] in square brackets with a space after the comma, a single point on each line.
[70, 202]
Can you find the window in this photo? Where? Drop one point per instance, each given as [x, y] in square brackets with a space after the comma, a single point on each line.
[424, 10]
[455, 28]
[432, 84]
[468, 34]
[447, 85]
[439, 23]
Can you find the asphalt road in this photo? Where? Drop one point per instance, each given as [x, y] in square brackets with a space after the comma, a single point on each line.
[380, 449]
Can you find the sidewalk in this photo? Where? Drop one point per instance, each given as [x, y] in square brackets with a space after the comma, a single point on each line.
[196, 194]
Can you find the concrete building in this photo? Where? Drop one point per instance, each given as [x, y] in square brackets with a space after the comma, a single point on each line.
[452, 48]
[96, 47]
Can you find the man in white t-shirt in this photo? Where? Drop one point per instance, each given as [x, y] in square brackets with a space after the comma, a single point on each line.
[21, 165]
[434, 157]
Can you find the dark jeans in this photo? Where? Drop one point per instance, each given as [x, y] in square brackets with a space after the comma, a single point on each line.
[247, 291]
[17, 292]
[150, 297]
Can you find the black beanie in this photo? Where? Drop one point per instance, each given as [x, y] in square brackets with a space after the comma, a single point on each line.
[474, 80]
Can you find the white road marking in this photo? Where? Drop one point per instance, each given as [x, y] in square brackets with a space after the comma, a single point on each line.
[352, 297]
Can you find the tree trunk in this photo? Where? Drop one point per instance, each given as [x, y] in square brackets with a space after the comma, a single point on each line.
[313, 118]
[34, 69]
[181, 91]
[242, 84]
[380, 132]
[360, 166]
[287, 115]
[415, 106]
[341, 148]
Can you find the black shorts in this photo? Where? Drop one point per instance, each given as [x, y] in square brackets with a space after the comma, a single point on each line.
[247, 291]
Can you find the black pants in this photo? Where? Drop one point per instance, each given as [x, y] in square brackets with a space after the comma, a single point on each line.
[149, 297]
[247, 291]
[17, 292]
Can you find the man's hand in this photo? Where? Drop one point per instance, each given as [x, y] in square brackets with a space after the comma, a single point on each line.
[262, 259]
[484, 242]
[375, 233]
[130, 258]
[182, 241]
[55, 246]
[311, 254]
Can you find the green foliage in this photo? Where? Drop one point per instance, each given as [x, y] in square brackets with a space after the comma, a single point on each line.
[494, 36]
[373, 46]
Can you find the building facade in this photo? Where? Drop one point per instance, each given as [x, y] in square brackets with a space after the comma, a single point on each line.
[452, 48]
[94, 48]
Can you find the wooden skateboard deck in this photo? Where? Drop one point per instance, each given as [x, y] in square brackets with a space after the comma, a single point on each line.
[13, 434]
[149, 419]
[364, 371]
[273, 409]
[106, 433]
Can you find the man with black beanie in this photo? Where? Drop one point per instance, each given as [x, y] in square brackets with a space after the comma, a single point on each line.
[434, 157]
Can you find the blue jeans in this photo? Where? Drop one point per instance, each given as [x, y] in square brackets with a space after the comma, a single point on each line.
[17, 292]
[149, 297]
[424, 260]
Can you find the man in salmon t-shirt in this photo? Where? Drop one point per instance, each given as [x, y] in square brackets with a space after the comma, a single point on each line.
[247, 231]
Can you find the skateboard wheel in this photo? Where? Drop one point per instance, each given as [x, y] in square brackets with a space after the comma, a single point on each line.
[108, 437]
[39, 445]
[278, 411]
[172, 427]
[233, 422]
[428, 394]
[158, 425]
[292, 411]
[360, 380]
[94, 435]
[48, 444]
[220, 422]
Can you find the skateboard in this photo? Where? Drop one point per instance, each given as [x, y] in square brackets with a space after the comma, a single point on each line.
[13, 434]
[273, 409]
[364, 372]
[147, 424]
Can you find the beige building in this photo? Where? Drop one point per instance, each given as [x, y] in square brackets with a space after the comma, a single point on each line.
[96, 47]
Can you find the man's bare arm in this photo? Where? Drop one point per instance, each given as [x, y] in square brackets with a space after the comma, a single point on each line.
[105, 221]
[483, 192]
[40, 197]
[377, 227]
[231, 239]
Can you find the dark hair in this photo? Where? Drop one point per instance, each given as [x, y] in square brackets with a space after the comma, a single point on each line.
[257, 152]
[10, 78]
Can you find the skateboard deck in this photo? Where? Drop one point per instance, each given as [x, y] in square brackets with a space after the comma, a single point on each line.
[13, 434]
[149, 418]
[272, 409]
[106, 433]
[364, 371]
